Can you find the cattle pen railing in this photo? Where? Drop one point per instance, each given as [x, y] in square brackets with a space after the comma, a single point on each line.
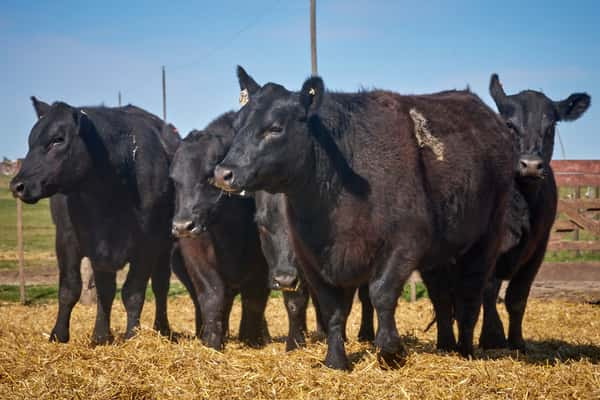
[576, 231]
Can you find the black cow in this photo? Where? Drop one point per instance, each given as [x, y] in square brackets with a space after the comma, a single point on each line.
[106, 170]
[285, 274]
[533, 116]
[378, 185]
[220, 245]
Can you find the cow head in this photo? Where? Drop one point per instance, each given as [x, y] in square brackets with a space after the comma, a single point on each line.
[58, 156]
[196, 199]
[533, 116]
[272, 226]
[271, 146]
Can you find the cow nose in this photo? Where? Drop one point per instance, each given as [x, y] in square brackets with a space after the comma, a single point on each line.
[285, 282]
[183, 228]
[17, 188]
[531, 166]
[223, 177]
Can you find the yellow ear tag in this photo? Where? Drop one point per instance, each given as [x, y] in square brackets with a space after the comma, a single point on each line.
[244, 97]
[312, 91]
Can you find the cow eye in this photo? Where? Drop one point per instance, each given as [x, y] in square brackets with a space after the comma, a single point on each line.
[56, 141]
[271, 132]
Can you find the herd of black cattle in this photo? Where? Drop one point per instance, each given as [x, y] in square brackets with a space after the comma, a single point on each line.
[315, 193]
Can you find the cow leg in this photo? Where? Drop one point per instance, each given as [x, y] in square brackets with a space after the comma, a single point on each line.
[385, 288]
[295, 305]
[202, 270]
[161, 276]
[106, 287]
[492, 331]
[517, 294]
[212, 302]
[253, 326]
[69, 283]
[439, 286]
[335, 305]
[227, 306]
[134, 294]
[321, 325]
[366, 333]
[178, 267]
[474, 270]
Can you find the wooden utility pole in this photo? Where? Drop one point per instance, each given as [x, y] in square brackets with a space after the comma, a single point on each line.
[20, 250]
[164, 94]
[313, 36]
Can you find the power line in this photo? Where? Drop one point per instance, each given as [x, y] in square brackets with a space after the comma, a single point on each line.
[229, 41]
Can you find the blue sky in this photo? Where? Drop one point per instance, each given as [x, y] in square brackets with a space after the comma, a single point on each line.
[84, 53]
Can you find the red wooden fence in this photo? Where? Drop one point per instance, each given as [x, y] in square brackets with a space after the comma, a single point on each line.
[577, 226]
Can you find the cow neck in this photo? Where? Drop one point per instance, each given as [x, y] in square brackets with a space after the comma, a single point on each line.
[533, 191]
[113, 172]
[548, 146]
[327, 171]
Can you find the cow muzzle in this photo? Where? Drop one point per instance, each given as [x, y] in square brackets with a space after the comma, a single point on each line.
[285, 282]
[531, 166]
[224, 178]
[30, 194]
[186, 228]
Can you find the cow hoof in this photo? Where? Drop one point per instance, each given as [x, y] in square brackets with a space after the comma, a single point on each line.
[391, 352]
[392, 355]
[319, 336]
[391, 360]
[56, 336]
[255, 337]
[293, 343]
[339, 362]
[255, 341]
[447, 346]
[518, 345]
[213, 341]
[162, 329]
[496, 341]
[466, 350]
[131, 334]
[366, 335]
[100, 340]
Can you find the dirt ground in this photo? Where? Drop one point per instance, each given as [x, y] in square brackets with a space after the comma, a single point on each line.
[562, 288]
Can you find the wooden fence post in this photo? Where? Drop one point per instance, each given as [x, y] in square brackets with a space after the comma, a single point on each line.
[576, 233]
[412, 285]
[88, 286]
[20, 251]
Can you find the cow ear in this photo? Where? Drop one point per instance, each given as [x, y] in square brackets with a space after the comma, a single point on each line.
[40, 107]
[246, 81]
[573, 107]
[81, 119]
[311, 95]
[497, 92]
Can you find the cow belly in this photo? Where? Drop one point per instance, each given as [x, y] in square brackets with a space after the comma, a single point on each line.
[108, 249]
[349, 264]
